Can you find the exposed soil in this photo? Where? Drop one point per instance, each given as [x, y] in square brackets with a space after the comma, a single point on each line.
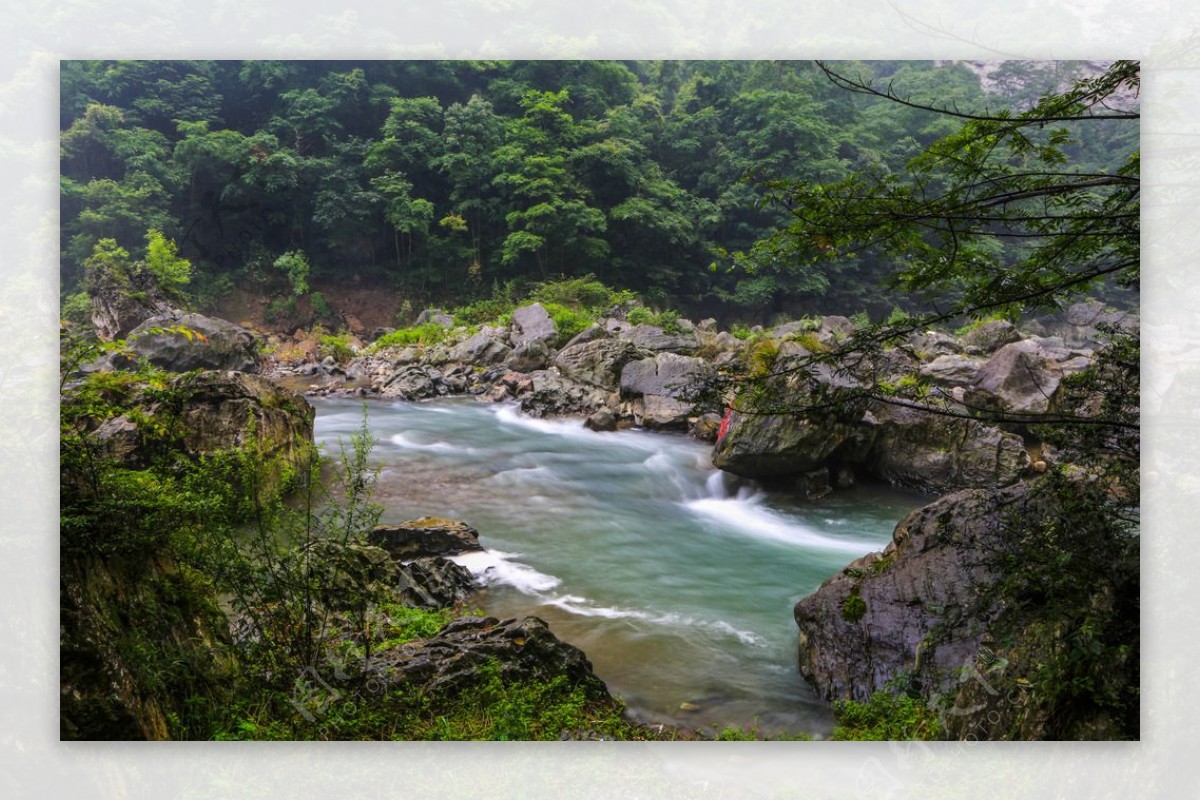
[358, 308]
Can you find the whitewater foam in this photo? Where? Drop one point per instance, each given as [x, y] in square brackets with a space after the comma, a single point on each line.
[749, 517]
[433, 447]
[497, 567]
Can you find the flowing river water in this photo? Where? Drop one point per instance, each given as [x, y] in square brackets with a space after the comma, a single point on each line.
[676, 579]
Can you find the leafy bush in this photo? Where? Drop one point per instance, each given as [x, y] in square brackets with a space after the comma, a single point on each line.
[580, 293]
[568, 321]
[162, 259]
[335, 345]
[853, 608]
[885, 716]
[295, 265]
[77, 308]
[666, 320]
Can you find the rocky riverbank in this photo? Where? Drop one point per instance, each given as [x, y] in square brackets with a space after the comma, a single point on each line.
[922, 608]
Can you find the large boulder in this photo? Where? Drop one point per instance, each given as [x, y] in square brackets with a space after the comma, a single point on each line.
[1001, 608]
[432, 582]
[874, 620]
[598, 362]
[532, 323]
[221, 409]
[123, 297]
[1019, 377]
[522, 650]
[777, 445]
[533, 355]
[551, 394]
[952, 369]
[485, 347]
[989, 336]
[651, 337]
[935, 453]
[425, 536]
[413, 382]
[666, 374]
[179, 342]
[436, 316]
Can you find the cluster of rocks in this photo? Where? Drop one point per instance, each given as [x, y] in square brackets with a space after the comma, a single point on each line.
[614, 373]
[994, 368]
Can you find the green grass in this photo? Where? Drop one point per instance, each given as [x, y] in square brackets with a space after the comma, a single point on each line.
[426, 335]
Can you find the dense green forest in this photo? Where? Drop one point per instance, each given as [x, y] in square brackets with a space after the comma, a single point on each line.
[447, 180]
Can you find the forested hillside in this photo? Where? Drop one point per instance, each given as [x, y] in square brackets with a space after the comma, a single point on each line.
[444, 181]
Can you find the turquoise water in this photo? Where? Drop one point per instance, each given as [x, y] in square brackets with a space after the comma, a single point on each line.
[676, 579]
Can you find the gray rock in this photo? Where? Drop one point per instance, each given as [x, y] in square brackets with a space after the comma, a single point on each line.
[660, 412]
[1017, 378]
[553, 394]
[934, 343]
[937, 453]
[602, 420]
[533, 355]
[772, 445]
[431, 582]
[1084, 313]
[197, 342]
[425, 536]
[412, 382]
[666, 374]
[522, 650]
[435, 316]
[532, 323]
[221, 406]
[486, 347]
[987, 337]
[651, 337]
[122, 298]
[952, 369]
[598, 362]
[592, 332]
[924, 580]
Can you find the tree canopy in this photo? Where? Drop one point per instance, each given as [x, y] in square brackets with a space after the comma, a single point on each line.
[448, 178]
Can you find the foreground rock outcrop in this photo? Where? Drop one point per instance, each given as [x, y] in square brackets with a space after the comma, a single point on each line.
[425, 536]
[981, 605]
[521, 649]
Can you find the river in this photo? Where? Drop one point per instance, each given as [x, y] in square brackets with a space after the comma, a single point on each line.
[676, 579]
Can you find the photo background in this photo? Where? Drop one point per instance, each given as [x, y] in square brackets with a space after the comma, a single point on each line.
[34, 36]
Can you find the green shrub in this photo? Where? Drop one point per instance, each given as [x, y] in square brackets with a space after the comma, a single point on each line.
[77, 308]
[853, 608]
[761, 357]
[335, 345]
[584, 293]
[320, 306]
[568, 321]
[886, 716]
